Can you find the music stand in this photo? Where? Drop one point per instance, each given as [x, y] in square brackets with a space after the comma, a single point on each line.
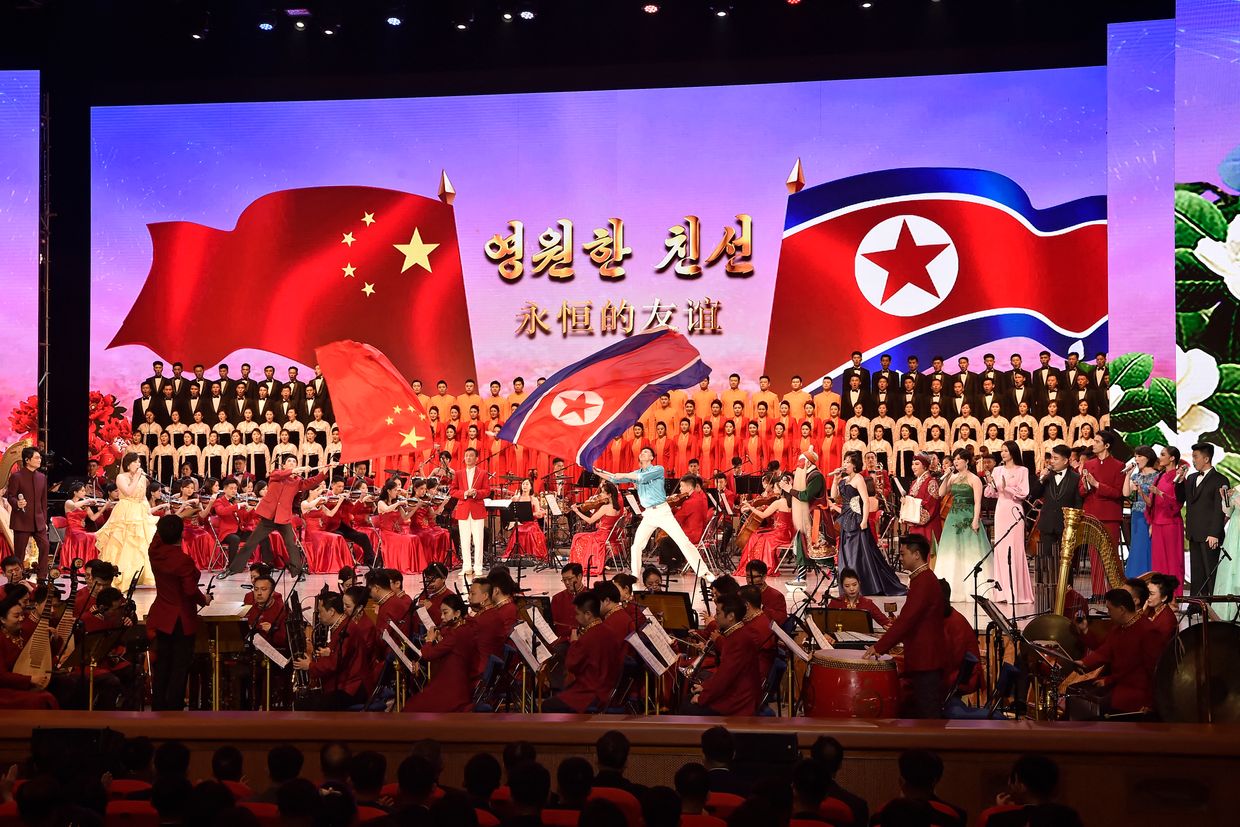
[750, 484]
[849, 620]
[588, 479]
[522, 512]
[676, 609]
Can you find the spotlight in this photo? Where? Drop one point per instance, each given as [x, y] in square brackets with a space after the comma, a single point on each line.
[394, 21]
[651, 8]
[721, 10]
[299, 25]
[527, 14]
[866, 4]
[266, 26]
[196, 35]
[507, 15]
[793, 2]
[329, 31]
[297, 12]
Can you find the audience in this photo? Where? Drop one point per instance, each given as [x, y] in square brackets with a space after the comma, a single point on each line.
[351, 791]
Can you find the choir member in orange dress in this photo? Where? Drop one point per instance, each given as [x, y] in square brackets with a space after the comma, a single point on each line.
[589, 549]
[780, 447]
[851, 598]
[735, 687]
[527, 536]
[708, 452]
[451, 649]
[764, 544]
[594, 660]
[342, 666]
[684, 447]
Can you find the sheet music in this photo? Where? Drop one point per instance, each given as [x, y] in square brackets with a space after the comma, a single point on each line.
[235, 610]
[855, 637]
[396, 650]
[631, 499]
[819, 638]
[553, 505]
[648, 657]
[658, 637]
[727, 506]
[409, 643]
[541, 626]
[793, 646]
[425, 617]
[272, 653]
[522, 637]
[497, 503]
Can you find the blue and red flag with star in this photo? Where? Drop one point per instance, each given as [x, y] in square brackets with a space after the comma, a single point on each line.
[932, 261]
[582, 407]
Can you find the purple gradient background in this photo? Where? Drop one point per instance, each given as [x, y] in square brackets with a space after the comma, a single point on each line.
[1140, 151]
[19, 240]
[647, 156]
[1207, 71]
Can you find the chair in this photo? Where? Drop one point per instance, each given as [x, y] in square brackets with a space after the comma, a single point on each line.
[708, 540]
[267, 814]
[486, 819]
[612, 544]
[701, 821]
[721, 805]
[240, 791]
[772, 686]
[560, 818]
[365, 814]
[624, 800]
[784, 553]
[984, 818]
[9, 816]
[125, 787]
[835, 811]
[383, 693]
[132, 813]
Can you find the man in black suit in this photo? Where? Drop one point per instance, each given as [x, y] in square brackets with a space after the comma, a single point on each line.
[1058, 487]
[270, 382]
[228, 385]
[718, 752]
[908, 393]
[321, 393]
[214, 404]
[251, 384]
[200, 381]
[1054, 393]
[1099, 376]
[240, 403]
[305, 408]
[884, 394]
[141, 405]
[938, 373]
[296, 388]
[194, 402]
[165, 405]
[936, 395]
[1071, 367]
[1043, 373]
[180, 383]
[1009, 377]
[285, 404]
[262, 403]
[855, 393]
[958, 398]
[828, 752]
[1096, 399]
[1017, 393]
[992, 373]
[852, 370]
[966, 377]
[988, 395]
[156, 380]
[921, 383]
[885, 372]
[1202, 494]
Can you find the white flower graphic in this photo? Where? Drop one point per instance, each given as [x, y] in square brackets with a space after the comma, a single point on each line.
[1195, 381]
[1223, 257]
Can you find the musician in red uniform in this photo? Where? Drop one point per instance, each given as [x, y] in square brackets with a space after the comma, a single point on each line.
[960, 639]
[362, 627]
[563, 606]
[452, 647]
[342, 666]
[174, 614]
[1160, 610]
[227, 524]
[434, 589]
[101, 573]
[490, 623]
[18, 691]
[594, 661]
[266, 615]
[693, 512]
[393, 609]
[1102, 486]
[851, 598]
[735, 687]
[773, 601]
[276, 511]
[920, 628]
[470, 488]
[113, 673]
[342, 523]
[758, 624]
[1130, 652]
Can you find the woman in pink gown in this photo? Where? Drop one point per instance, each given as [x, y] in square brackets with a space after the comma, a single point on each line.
[589, 548]
[765, 543]
[1009, 483]
[1166, 524]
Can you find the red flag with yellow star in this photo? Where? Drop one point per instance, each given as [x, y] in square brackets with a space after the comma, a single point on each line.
[376, 410]
[308, 266]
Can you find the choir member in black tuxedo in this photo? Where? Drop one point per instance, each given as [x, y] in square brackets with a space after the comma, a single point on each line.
[200, 381]
[1082, 390]
[1058, 487]
[1202, 494]
[1009, 377]
[251, 384]
[936, 396]
[165, 405]
[194, 403]
[270, 382]
[856, 370]
[296, 388]
[214, 404]
[908, 393]
[957, 399]
[157, 379]
[990, 394]
[1019, 391]
[1044, 372]
[1099, 376]
[1052, 393]
[262, 403]
[285, 404]
[968, 380]
[180, 382]
[992, 373]
[855, 393]
[884, 395]
[240, 403]
[1071, 367]
[305, 408]
[939, 373]
[921, 384]
[885, 372]
[228, 385]
[145, 402]
[321, 393]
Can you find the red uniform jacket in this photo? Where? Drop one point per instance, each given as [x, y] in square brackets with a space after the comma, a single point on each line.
[10, 650]
[594, 660]
[1166, 625]
[84, 600]
[919, 625]
[760, 627]
[94, 622]
[225, 513]
[282, 488]
[493, 626]
[620, 622]
[735, 687]
[474, 507]
[563, 614]
[346, 668]
[960, 639]
[775, 605]
[395, 611]
[693, 514]
[272, 613]
[177, 596]
[1106, 502]
[436, 601]
[34, 486]
[1130, 653]
[451, 685]
[865, 604]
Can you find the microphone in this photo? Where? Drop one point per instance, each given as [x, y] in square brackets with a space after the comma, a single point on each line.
[995, 583]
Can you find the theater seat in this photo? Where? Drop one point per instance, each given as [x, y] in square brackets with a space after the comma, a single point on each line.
[560, 818]
[8, 815]
[701, 821]
[625, 800]
[267, 814]
[365, 814]
[984, 818]
[125, 787]
[807, 822]
[722, 804]
[835, 811]
[131, 814]
[486, 819]
[240, 791]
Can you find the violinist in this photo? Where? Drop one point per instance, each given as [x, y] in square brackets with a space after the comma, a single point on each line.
[589, 549]
[225, 511]
[435, 539]
[342, 665]
[452, 647]
[851, 598]
[434, 588]
[266, 614]
[735, 687]
[594, 661]
[276, 511]
[339, 523]
[691, 509]
[393, 609]
[173, 615]
[114, 674]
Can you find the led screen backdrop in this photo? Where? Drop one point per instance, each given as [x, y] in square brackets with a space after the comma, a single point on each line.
[19, 233]
[244, 231]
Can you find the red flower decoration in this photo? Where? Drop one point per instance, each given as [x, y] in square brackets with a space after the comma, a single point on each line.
[105, 427]
[24, 418]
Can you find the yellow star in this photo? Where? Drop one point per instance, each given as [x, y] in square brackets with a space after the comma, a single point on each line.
[348, 270]
[348, 239]
[416, 252]
[396, 409]
[422, 417]
[369, 289]
[390, 421]
[411, 438]
[368, 219]
[409, 408]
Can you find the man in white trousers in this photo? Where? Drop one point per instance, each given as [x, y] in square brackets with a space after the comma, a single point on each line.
[656, 514]
[470, 489]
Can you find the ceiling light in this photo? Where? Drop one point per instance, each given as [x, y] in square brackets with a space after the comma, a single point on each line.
[793, 2]
[196, 35]
[329, 32]
[507, 15]
[297, 12]
[394, 21]
[300, 25]
[527, 14]
[866, 4]
[651, 8]
[721, 10]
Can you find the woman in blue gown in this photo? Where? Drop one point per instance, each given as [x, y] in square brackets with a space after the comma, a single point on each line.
[1137, 486]
[858, 550]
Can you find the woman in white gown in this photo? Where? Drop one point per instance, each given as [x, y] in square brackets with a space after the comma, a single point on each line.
[126, 537]
[1009, 483]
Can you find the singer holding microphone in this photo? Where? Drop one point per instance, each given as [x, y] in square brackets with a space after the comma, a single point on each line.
[276, 515]
[27, 495]
[124, 540]
[1009, 483]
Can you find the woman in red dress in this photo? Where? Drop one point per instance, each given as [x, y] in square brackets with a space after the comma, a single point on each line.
[326, 551]
[764, 544]
[435, 540]
[452, 445]
[729, 446]
[78, 542]
[196, 541]
[453, 648]
[589, 548]
[528, 536]
[925, 489]
[707, 452]
[401, 550]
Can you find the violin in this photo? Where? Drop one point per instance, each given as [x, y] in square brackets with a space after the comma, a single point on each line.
[594, 503]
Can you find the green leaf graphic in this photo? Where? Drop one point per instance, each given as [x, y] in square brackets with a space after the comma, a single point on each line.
[1195, 218]
[1130, 370]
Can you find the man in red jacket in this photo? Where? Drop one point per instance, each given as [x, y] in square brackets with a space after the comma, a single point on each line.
[919, 627]
[1102, 486]
[275, 511]
[735, 687]
[594, 661]
[1130, 652]
[470, 488]
[174, 614]
[342, 666]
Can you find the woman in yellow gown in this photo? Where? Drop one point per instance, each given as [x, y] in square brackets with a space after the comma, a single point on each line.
[125, 538]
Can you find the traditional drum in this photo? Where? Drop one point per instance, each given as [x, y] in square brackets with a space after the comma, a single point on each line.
[842, 684]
